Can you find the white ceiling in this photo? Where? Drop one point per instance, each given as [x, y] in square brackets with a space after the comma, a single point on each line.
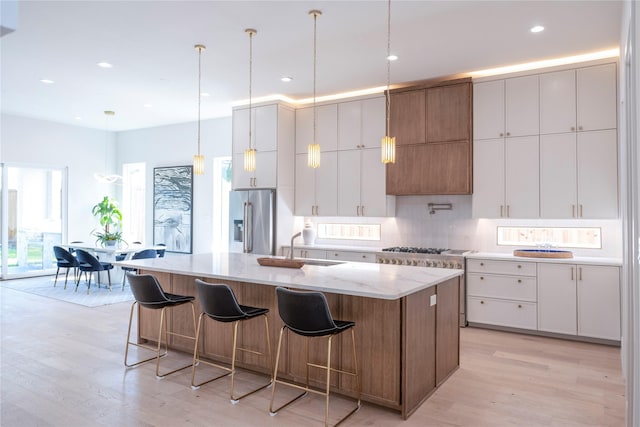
[151, 43]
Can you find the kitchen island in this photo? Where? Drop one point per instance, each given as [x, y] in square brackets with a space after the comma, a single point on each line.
[407, 333]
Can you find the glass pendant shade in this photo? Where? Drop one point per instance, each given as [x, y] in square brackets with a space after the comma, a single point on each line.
[388, 149]
[198, 164]
[313, 156]
[250, 159]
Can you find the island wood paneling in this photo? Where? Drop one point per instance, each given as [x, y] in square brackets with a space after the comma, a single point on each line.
[396, 340]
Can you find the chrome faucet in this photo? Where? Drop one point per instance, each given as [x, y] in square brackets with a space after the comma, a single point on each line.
[291, 247]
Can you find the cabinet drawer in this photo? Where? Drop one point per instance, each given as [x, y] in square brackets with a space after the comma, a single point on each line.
[514, 314]
[305, 253]
[501, 267]
[499, 286]
[352, 256]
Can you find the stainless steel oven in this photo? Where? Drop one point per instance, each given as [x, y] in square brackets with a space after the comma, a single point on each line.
[430, 257]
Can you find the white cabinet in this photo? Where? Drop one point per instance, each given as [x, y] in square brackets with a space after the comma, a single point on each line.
[506, 178]
[272, 130]
[351, 256]
[316, 189]
[326, 128]
[581, 300]
[506, 108]
[579, 175]
[304, 253]
[361, 174]
[501, 293]
[578, 100]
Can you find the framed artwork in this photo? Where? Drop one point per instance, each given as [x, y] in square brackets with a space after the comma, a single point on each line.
[172, 208]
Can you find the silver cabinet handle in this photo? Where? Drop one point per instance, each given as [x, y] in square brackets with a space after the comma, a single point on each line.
[573, 128]
[501, 134]
[519, 266]
[580, 205]
[519, 280]
[579, 127]
[482, 264]
[508, 213]
[508, 133]
[357, 210]
[361, 210]
[519, 305]
[580, 273]
[501, 215]
[481, 278]
[571, 273]
[573, 211]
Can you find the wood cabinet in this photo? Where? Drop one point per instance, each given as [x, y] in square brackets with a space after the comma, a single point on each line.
[501, 293]
[272, 130]
[579, 100]
[579, 175]
[316, 189]
[432, 126]
[506, 178]
[582, 300]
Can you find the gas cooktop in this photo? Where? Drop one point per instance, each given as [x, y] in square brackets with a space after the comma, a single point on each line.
[415, 250]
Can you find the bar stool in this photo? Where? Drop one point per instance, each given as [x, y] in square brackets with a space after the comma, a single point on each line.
[149, 294]
[307, 314]
[220, 304]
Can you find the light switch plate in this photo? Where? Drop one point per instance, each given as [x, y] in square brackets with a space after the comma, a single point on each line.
[432, 301]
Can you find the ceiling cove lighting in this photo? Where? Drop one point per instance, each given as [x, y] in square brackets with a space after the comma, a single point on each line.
[313, 153]
[250, 153]
[537, 29]
[198, 159]
[388, 143]
[610, 53]
[105, 178]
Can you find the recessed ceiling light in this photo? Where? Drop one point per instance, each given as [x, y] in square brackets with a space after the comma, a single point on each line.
[392, 58]
[205, 94]
[147, 105]
[47, 81]
[537, 29]
[78, 118]
[286, 79]
[104, 65]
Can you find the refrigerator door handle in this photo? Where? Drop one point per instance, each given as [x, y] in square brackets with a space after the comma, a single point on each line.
[248, 227]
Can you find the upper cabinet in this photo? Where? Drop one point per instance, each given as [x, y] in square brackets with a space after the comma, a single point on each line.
[272, 135]
[559, 152]
[432, 126]
[326, 127]
[578, 100]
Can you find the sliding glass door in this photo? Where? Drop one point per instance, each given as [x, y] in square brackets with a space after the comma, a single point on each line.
[32, 219]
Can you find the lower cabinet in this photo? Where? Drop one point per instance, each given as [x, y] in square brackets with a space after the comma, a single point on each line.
[581, 300]
[337, 255]
[305, 253]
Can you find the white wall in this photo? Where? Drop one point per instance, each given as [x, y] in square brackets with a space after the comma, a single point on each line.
[32, 142]
[175, 145]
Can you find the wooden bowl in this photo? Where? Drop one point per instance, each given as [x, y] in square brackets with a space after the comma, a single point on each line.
[281, 262]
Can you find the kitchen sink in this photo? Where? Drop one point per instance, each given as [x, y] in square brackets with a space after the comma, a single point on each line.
[321, 262]
[543, 253]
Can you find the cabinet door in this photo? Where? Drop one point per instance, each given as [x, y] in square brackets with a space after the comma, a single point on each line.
[522, 185]
[265, 134]
[448, 113]
[558, 102]
[240, 130]
[404, 177]
[326, 127]
[521, 106]
[349, 125]
[597, 174]
[349, 182]
[558, 176]
[599, 302]
[305, 195]
[557, 298]
[408, 117]
[373, 122]
[240, 178]
[488, 178]
[326, 184]
[265, 173]
[596, 97]
[373, 197]
[488, 110]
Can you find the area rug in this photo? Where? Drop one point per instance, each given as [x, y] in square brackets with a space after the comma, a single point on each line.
[43, 286]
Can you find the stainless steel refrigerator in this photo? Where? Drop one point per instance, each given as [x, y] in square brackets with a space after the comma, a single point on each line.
[252, 221]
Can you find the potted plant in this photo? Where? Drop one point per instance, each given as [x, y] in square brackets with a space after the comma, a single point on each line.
[110, 217]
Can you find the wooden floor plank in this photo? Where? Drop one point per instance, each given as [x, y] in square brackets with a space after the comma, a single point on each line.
[61, 365]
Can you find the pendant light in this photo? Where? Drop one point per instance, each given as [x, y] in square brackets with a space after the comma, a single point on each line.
[250, 153]
[313, 153]
[198, 159]
[106, 178]
[388, 143]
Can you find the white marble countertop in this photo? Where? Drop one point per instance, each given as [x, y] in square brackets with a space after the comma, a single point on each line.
[574, 260]
[381, 281]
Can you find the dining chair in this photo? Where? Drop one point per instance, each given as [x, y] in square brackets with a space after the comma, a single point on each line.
[90, 264]
[161, 251]
[145, 254]
[64, 259]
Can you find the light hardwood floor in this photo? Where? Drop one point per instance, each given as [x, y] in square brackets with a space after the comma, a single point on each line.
[62, 365]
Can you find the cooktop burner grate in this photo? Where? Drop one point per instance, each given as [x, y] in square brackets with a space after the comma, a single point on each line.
[415, 250]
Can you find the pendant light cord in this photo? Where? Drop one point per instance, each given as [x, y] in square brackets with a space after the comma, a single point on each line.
[199, 93]
[251, 33]
[388, 65]
[315, 24]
